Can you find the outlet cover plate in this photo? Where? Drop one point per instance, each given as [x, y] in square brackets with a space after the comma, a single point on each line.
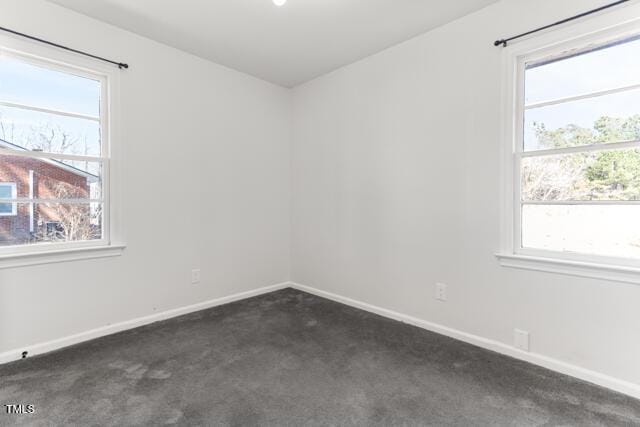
[441, 292]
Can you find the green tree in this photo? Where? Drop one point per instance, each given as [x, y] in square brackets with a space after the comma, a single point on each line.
[612, 174]
[616, 172]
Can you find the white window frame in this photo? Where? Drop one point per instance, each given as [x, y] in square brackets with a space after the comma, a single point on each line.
[111, 244]
[14, 194]
[597, 30]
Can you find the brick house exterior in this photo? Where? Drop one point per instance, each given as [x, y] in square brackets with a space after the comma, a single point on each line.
[39, 179]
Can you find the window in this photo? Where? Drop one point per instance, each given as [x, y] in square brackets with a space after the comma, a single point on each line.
[54, 152]
[7, 191]
[574, 151]
[580, 155]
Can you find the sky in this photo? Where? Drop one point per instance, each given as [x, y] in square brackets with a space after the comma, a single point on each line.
[24, 83]
[600, 70]
[604, 69]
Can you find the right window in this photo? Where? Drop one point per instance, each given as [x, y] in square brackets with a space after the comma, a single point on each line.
[577, 155]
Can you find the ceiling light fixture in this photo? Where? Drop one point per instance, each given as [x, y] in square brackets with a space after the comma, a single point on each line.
[279, 2]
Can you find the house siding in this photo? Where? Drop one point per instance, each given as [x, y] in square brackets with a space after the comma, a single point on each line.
[48, 178]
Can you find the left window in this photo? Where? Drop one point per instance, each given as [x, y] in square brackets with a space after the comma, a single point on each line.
[54, 155]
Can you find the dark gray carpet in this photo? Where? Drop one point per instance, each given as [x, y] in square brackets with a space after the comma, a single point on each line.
[290, 358]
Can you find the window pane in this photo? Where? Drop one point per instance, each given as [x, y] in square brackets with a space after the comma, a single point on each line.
[42, 223]
[51, 133]
[612, 67]
[601, 175]
[24, 83]
[51, 178]
[605, 119]
[6, 192]
[6, 208]
[587, 229]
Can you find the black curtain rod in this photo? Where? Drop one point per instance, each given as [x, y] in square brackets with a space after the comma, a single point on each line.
[120, 65]
[504, 42]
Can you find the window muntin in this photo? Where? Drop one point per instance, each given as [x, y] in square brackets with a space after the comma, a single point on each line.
[7, 191]
[54, 144]
[578, 159]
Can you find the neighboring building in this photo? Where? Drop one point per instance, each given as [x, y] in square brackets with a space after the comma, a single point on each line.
[31, 178]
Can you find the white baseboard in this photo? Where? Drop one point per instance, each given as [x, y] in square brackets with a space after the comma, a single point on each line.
[594, 377]
[59, 343]
[598, 378]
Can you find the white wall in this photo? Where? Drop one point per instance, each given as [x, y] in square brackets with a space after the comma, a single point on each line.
[215, 141]
[396, 186]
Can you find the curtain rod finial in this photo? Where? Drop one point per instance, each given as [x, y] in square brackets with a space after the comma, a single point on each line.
[502, 42]
[121, 66]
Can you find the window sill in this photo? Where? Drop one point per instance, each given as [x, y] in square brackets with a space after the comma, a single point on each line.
[616, 273]
[62, 255]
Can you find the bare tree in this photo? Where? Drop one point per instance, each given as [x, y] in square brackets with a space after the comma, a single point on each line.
[560, 178]
[43, 137]
[50, 138]
[75, 221]
[7, 130]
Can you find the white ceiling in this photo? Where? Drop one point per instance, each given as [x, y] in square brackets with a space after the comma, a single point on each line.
[285, 45]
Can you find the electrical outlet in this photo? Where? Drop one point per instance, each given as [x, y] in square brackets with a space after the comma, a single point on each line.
[441, 292]
[521, 339]
[195, 276]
